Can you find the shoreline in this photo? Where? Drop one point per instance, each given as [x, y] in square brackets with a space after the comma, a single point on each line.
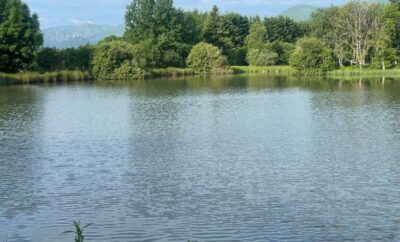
[172, 72]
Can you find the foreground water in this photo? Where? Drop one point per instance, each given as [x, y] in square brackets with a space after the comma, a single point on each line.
[236, 159]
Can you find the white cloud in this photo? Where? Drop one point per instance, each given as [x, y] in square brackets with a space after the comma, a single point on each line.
[79, 22]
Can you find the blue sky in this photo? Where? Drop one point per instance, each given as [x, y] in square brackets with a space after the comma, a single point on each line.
[66, 12]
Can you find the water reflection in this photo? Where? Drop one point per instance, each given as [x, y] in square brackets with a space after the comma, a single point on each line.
[250, 158]
[20, 159]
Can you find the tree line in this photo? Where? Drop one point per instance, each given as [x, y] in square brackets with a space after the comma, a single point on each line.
[360, 34]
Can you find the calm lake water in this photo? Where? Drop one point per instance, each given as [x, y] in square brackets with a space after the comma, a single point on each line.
[235, 159]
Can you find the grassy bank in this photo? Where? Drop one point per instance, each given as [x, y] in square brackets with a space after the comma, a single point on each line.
[171, 72]
[47, 77]
[355, 72]
[271, 70]
[69, 76]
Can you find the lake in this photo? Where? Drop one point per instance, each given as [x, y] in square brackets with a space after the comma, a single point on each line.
[220, 159]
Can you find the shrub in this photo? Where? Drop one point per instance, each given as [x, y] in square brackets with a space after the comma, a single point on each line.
[264, 57]
[119, 60]
[129, 70]
[284, 51]
[311, 55]
[237, 56]
[207, 59]
[172, 58]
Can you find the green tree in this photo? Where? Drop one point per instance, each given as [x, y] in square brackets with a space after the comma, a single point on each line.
[284, 50]
[311, 55]
[20, 36]
[358, 26]
[205, 58]
[322, 23]
[158, 22]
[265, 57]
[282, 29]
[235, 28]
[391, 18]
[109, 39]
[193, 25]
[257, 36]
[384, 55]
[323, 26]
[119, 60]
[228, 33]
[212, 27]
[77, 58]
[48, 59]
[140, 21]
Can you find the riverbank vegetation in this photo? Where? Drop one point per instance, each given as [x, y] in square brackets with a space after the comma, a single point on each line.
[44, 77]
[358, 38]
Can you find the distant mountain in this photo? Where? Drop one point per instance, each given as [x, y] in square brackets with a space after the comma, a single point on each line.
[300, 12]
[77, 35]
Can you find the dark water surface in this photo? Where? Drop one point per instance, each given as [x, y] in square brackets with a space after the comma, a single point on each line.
[236, 159]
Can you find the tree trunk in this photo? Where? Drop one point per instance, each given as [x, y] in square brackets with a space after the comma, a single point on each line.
[383, 65]
[341, 62]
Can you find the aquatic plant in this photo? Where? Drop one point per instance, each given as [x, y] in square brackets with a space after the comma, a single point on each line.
[79, 230]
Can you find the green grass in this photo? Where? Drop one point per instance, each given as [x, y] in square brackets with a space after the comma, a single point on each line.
[367, 72]
[171, 72]
[271, 70]
[47, 77]
[68, 76]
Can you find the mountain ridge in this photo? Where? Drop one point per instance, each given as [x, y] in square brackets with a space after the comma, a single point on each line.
[299, 12]
[77, 35]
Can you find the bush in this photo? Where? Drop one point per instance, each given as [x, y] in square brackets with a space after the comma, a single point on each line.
[311, 55]
[52, 59]
[119, 60]
[48, 59]
[129, 70]
[257, 57]
[284, 51]
[207, 59]
[171, 58]
[237, 56]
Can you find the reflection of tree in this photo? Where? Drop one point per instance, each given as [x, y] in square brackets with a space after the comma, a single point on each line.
[20, 126]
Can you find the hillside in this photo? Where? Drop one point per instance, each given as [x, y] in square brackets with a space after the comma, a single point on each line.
[300, 12]
[76, 35]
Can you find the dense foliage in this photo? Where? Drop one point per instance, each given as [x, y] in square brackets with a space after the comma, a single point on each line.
[311, 55]
[119, 60]
[207, 59]
[52, 59]
[20, 36]
[262, 57]
[282, 29]
[360, 33]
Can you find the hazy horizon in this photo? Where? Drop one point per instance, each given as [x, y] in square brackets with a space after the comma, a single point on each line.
[54, 13]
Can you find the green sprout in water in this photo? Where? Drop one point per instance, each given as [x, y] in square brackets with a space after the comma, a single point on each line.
[79, 230]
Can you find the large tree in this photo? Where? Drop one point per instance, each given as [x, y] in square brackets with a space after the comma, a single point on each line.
[159, 23]
[358, 26]
[139, 20]
[257, 34]
[212, 28]
[323, 26]
[282, 29]
[227, 32]
[20, 36]
[311, 55]
[391, 17]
